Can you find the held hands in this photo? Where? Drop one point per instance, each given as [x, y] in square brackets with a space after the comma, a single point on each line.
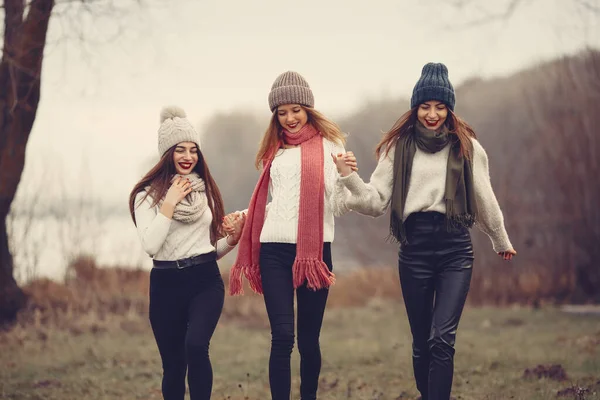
[345, 163]
[180, 188]
[508, 254]
[233, 225]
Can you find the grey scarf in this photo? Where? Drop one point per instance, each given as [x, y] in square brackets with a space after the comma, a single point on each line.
[461, 206]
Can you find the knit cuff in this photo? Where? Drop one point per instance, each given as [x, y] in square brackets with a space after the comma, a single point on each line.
[222, 247]
[500, 240]
[353, 182]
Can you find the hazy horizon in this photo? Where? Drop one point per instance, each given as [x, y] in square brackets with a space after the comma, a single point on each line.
[100, 102]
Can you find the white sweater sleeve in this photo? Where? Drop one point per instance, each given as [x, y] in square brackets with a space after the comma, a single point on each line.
[222, 248]
[372, 198]
[338, 193]
[152, 226]
[490, 219]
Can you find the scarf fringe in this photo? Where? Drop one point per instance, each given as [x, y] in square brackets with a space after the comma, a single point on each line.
[390, 238]
[314, 271]
[397, 231]
[235, 281]
[252, 274]
[467, 220]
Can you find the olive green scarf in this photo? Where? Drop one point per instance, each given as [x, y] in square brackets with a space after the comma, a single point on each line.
[461, 206]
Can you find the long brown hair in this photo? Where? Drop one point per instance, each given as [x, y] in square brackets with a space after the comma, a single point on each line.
[270, 140]
[456, 126]
[158, 182]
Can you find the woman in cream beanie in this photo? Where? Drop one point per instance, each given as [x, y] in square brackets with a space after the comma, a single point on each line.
[178, 211]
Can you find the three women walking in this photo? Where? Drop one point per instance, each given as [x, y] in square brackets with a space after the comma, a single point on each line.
[432, 175]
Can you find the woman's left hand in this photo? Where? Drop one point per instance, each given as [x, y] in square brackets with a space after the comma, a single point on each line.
[508, 254]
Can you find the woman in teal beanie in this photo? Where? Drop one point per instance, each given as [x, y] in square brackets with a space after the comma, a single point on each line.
[433, 174]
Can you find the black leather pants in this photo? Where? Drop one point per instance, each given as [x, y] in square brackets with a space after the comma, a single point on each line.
[435, 273]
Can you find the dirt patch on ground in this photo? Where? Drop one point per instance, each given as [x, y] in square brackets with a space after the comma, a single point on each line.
[555, 372]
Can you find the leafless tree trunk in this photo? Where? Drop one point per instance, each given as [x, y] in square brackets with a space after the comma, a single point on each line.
[25, 29]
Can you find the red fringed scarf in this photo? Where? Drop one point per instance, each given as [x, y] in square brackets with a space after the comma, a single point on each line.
[308, 266]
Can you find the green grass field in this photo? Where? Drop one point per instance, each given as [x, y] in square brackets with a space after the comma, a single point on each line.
[366, 355]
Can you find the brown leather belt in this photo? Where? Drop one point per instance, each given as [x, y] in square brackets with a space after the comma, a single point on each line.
[185, 262]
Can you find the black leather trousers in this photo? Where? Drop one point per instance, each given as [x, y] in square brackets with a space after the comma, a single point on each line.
[435, 273]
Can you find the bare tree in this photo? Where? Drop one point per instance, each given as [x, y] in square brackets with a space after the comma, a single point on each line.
[25, 30]
[25, 39]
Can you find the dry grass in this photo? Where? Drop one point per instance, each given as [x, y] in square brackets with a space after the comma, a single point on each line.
[100, 295]
[501, 354]
[97, 294]
[90, 338]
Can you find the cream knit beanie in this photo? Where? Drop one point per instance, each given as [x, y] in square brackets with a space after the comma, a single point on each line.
[175, 128]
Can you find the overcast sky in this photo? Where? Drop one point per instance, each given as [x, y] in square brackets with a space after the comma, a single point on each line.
[101, 99]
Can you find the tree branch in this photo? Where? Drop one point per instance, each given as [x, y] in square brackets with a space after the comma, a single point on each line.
[26, 5]
[492, 17]
[589, 7]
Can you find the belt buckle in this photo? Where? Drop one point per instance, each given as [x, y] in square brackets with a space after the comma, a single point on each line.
[179, 266]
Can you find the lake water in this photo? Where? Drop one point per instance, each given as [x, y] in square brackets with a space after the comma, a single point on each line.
[43, 246]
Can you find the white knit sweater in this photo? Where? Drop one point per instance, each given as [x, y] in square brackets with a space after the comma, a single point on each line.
[281, 221]
[426, 190]
[167, 239]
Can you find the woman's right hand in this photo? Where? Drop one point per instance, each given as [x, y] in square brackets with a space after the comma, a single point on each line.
[180, 188]
[345, 163]
[508, 254]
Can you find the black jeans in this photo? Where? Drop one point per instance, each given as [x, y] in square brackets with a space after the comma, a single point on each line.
[276, 260]
[185, 306]
[435, 274]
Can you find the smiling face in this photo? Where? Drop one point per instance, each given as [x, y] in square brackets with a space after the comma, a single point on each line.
[432, 114]
[185, 157]
[292, 117]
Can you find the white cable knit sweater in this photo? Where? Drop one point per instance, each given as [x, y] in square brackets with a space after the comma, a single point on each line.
[281, 221]
[169, 240]
[426, 190]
